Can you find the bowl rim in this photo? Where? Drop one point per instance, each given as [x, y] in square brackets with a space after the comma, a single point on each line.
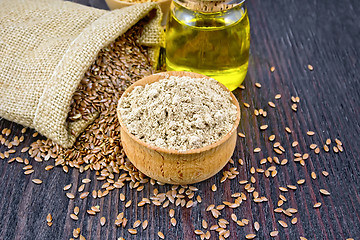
[174, 151]
[132, 3]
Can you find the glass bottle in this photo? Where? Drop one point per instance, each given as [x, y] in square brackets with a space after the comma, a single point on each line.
[209, 37]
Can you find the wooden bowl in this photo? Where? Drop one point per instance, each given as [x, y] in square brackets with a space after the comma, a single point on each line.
[173, 166]
[164, 6]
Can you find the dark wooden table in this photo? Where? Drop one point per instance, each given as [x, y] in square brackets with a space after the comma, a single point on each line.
[288, 35]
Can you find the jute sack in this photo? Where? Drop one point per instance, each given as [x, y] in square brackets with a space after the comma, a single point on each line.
[45, 48]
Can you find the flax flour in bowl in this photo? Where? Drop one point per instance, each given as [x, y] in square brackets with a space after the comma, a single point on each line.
[178, 127]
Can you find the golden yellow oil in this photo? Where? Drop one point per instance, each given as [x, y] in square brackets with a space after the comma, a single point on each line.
[214, 44]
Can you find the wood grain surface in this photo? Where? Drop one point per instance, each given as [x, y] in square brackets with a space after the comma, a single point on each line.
[288, 35]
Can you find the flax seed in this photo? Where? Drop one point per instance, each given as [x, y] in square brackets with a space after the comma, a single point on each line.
[256, 150]
[283, 224]
[27, 172]
[258, 85]
[324, 192]
[263, 127]
[136, 223]
[310, 133]
[317, 205]
[250, 236]
[173, 221]
[256, 226]
[37, 181]
[271, 104]
[70, 195]
[161, 235]
[144, 224]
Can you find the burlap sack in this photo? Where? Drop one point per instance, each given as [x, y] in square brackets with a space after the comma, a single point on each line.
[45, 48]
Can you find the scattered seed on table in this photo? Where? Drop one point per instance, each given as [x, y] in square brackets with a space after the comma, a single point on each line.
[324, 192]
[70, 195]
[301, 181]
[144, 224]
[250, 236]
[303, 238]
[335, 149]
[241, 135]
[173, 221]
[102, 221]
[74, 217]
[294, 144]
[272, 138]
[313, 175]
[86, 180]
[132, 231]
[310, 67]
[76, 210]
[310, 133]
[325, 173]
[277, 96]
[246, 105]
[263, 127]
[161, 235]
[317, 150]
[288, 130]
[49, 167]
[283, 224]
[294, 220]
[338, 142]
[258, 85]
[256, 150]
[274, 233]
[317, 205]
[35, 134]
[272, 69]
[49, 218]
[37, 181]
[283, 189]
[213, 188]
[189, 204]
[326, 148]
[84, 195]
[81, 188]
[271, 104]
[128, 203]
[256, 226]
[313, 146]
[27, 172]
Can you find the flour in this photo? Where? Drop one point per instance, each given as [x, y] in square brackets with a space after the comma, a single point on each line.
[178, 113]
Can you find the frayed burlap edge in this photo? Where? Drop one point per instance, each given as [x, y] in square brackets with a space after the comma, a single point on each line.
[54, 104]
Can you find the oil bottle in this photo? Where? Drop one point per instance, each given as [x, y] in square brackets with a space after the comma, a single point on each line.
[209, 37]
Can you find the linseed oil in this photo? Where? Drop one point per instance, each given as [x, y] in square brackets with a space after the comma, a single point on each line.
[214, 42]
